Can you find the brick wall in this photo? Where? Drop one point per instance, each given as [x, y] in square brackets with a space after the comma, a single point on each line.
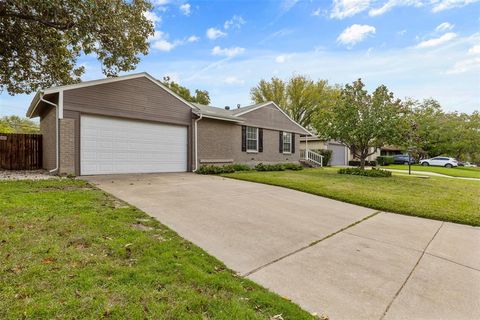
[67, 146]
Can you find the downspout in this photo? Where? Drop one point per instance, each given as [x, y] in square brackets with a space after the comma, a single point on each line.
[196, 142]
[56, 133]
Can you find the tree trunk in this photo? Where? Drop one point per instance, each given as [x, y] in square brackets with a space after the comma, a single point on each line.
[362, 162]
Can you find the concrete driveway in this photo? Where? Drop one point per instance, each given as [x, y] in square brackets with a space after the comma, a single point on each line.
[332, 258]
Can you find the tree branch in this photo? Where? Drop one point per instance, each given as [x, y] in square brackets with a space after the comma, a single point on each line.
[24, 16]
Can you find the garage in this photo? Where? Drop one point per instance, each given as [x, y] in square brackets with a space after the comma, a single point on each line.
[339, 154]
[111, 145]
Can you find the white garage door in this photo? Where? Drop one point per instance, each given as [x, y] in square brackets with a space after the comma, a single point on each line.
[112, 145]
[339, 153]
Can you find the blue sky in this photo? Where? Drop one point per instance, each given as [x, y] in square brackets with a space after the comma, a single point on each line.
[418, 48]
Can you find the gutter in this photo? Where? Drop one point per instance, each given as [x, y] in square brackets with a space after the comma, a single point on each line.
[196, 141]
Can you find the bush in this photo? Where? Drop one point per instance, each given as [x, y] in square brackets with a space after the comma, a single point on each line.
[377, 173]
[212, 169]
[239, 167]
[327, 155]
[384, 160]
[356, 163]
[269, 167]
[293, 166]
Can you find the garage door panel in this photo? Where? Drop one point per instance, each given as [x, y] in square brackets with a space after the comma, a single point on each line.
[111, 145]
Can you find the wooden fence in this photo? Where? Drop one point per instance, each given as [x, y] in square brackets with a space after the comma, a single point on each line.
[20, 151]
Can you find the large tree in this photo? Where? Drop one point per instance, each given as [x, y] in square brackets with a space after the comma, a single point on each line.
[363, 122]
[16, 124]
[40, 41]
[300, 97]
[201, 96]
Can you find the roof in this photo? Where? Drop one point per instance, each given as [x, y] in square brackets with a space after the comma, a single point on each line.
[38, 96]
[216, 113]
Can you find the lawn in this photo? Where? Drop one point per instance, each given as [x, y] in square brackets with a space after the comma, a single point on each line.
[435, 197]
[70, 251]
[468, 172]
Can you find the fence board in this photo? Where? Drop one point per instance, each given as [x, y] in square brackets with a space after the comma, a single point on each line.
[20, 151]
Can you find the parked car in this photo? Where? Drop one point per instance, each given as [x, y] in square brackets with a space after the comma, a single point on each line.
[402, 159]
[471, 165]
[440, 161]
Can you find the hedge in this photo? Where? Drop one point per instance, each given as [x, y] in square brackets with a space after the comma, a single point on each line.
[356, 163]
[327, 155]
[213, 169]
[384, 160]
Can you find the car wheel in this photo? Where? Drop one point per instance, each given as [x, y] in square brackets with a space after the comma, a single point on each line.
[425, 164]
[448, 165]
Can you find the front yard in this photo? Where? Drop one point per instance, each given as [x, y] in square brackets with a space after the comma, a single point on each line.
[70, 251]
[435, 198]
[465, 172]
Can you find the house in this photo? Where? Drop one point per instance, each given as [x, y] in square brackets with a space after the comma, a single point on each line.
[341, 155]
[134, 124]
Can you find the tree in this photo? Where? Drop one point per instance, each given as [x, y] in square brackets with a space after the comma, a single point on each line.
[300, 97]
[201, 96]
[363, 122]
[16, 124]
[40, 41]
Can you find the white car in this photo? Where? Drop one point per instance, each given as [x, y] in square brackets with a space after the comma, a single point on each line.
[440, 161]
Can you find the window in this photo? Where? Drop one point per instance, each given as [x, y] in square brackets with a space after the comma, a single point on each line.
[252, 139]
[287, 142]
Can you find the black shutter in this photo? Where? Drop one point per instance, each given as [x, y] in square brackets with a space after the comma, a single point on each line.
[260, 140]
[244, 138]
[293, 142]
[280, 141]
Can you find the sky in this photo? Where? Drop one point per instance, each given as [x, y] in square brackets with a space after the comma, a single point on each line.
[418, 48]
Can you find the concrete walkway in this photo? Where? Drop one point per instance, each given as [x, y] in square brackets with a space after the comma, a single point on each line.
[427, 173]
[332, 258]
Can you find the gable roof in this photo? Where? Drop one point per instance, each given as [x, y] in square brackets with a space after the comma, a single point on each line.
[52, 90]
[216, 113]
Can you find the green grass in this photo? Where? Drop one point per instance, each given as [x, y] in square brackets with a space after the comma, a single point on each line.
[436, 198]
[468, 172]
[70, 251]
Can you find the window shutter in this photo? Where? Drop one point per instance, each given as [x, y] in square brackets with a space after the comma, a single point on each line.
[244, 138]
[260, 140]
[293, 142]
[280, 141]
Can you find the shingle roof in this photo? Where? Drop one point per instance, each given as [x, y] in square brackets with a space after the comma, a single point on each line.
[209, 111]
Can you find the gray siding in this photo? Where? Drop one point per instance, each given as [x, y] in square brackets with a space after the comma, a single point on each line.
[48, 131]
[270, 117]
[137, 98]
[221, 140]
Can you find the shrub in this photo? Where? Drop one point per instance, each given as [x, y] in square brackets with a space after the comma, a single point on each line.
[356, 163]
[327, 155]
[384, 160]
[212, 169]
[239, 167]
[367, 173]
[293, 166]
[269, 167]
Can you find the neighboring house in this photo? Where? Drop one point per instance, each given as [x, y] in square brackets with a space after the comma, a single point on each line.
[341, 155]
[134, 124]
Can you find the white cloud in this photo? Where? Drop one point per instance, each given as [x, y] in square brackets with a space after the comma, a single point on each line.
[186, 9]
[402, 32]
[227, 52]
[317, 13]
[444, 26]
[390, 4]
[193, 39]
[233, 80]
[281, 59]
[347, 8]
[440, 5]
[152, 16]
[160, 2]
[235, 23]
[213, 33]
[465, 65]
[286, 5]
[474, 50]
[164, 45]
[437, 41]
[355, 33]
